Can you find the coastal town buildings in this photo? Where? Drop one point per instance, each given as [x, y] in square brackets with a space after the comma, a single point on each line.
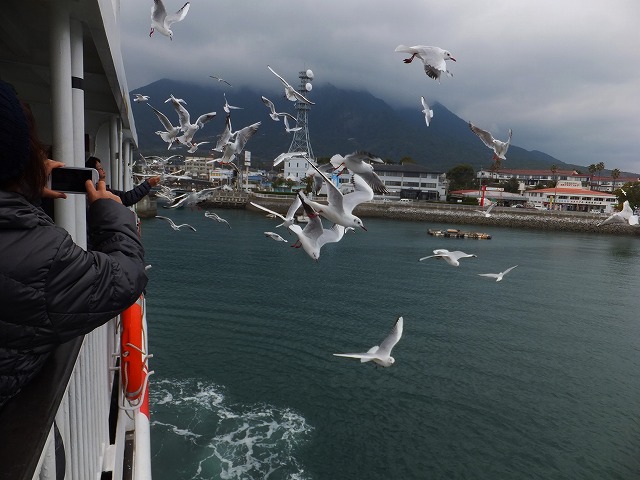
[572, 196]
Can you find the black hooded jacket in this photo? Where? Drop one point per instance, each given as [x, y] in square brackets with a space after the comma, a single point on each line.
[51, 290]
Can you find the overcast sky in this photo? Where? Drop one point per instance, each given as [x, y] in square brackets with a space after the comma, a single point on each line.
[564, 75]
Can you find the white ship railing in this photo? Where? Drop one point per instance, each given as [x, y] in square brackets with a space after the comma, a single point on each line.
[78, 431]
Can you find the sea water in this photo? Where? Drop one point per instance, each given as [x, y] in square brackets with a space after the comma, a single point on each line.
[532, 377]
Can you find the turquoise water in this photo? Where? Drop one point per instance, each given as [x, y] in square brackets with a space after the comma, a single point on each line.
[532, 377]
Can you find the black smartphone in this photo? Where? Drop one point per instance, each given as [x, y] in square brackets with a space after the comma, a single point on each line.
[71, 179]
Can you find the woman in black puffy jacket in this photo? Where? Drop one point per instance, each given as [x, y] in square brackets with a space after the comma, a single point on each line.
[51, 290]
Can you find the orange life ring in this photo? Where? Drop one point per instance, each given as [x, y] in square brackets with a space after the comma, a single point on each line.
[133, 366]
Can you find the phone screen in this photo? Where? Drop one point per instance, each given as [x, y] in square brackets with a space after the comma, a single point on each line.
[71, 179]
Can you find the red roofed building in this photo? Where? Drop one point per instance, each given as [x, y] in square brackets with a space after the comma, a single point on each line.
[571, 196]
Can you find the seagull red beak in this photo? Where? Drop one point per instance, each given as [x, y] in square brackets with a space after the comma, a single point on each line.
[363, 227]
[451, 58]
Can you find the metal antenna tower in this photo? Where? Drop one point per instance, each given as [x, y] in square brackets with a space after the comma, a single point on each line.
[301, 142]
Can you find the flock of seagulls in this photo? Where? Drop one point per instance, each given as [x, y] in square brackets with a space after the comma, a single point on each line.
[339, 206]
[434, 60]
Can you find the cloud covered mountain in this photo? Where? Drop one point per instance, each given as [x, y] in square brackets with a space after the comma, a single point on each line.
[341, 121]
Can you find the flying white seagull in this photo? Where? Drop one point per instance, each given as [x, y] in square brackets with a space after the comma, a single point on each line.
[497, 276]
[227, 108]
[487, 212]
[241, 137]
[272, 108]
[220, 80]
[360, 163]
[189, 129]
[275, 236]
[193, 147]
[289, 218]
[314, 235]
[381, 355]
[340, 206]
[216, 217]
[140, 98]
[291, 92]
[173, 225]
[433, 59]
[162, 22]
[428, 113]
[452, 258]
[499, 148]
[170, 133]
[290, 129]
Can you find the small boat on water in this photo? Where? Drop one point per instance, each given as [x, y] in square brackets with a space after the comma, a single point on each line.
[452, 232]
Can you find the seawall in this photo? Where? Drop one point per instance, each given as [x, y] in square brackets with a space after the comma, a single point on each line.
[467, 215]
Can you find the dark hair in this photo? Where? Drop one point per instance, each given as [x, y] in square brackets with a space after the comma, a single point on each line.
[34, 176]
[91, 162]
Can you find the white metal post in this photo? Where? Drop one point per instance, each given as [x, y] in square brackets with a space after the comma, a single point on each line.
[77, 92]
[61, 101]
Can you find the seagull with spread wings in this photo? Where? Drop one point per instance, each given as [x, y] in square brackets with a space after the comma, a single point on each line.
[162, 22]
[499, 147]
[433, 59]
[173, 224]
[452, 258]
[291, 92]
[381, 354]
[498, 276]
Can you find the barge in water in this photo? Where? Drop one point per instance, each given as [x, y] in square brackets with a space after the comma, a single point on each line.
[452, 232]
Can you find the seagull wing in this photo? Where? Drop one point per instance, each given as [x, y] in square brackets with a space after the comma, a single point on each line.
[334, 196]
[293, 208]
[163, 119]
[183, 113]
[396, 332]
[158, 12]
[271, 212]
[204, 118]
[179, 15]
[490, 275]
[362, 193]
[331, 235]
[485, 136]
[508, 270]
[244, 134]
[284, 82]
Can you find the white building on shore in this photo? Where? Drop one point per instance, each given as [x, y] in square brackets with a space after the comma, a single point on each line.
[571, 196]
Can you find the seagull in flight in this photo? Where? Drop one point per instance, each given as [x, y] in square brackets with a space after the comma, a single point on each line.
[272, 108]
[290, 129]
[487, 212]
[291, 92]
[227, 108]
[381, 354]
[499, 148]
[275, 236]
[433, 59]
[241, 137]
[170, 133]
[497, 276]
[360, 163]
[428, 113]
[340, 206]
[289, 218]
[162, 22]
[193, 147]
[216, 217]
[189, 129]
[173, 225]
[452, 258]
[138, 97]
[220, 80]
[314, 235]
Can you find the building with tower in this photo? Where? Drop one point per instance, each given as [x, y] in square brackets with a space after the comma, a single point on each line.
[296, 168]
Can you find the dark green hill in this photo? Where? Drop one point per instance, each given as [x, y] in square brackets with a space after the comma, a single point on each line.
[342, 121]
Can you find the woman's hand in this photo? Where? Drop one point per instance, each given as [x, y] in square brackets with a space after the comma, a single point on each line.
[46, 191]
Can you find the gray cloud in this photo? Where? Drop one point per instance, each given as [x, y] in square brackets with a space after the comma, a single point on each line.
[563, 75]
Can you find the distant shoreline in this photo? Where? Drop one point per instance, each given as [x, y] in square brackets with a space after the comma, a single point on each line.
[467, 215]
